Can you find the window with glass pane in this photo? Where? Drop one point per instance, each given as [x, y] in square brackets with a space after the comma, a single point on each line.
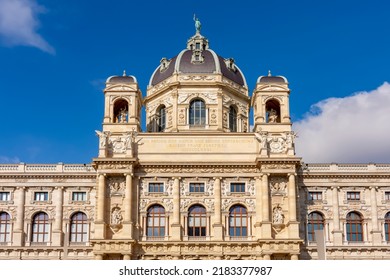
[161, 119]
[232, 119]
[197, 221]
[197, 113]
[353, 196]
[197, 187]
[238, 220]
[315, 222]
[156, 221]
[156, 187]
[5, 227]
[387, 227]
[387, 195]
[237, 187]
[354, 227]
[41, 196]
[40, 228]
[4, 196]
[79, 227]
[79, 196]
[315, 195]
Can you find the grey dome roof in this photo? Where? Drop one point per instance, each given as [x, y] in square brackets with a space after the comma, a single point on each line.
[212, 63]
[272, 79]
[121, 79]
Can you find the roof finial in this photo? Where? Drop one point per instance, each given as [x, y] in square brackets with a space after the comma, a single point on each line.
[198, 25]
[124, 73]
[269, 73]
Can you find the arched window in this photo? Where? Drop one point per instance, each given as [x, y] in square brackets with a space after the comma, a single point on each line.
[232, 119]
[238, 221]
[197, 113]
[315, 221]
[272, 108]
[387, 226]
[121, 111]
[40, 227]
[156, 221]
[161, 119]
[78, 227]
[197, 221]
[5, 227]
[354, 227]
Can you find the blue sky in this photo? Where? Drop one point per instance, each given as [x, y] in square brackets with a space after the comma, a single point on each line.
[57, 54]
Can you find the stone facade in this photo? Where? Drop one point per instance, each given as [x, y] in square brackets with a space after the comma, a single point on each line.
[198, 183]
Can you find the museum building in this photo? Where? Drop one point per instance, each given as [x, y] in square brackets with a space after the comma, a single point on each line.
[199, 183]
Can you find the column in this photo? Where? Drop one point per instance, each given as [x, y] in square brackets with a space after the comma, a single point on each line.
[265, 198]
[293, 225]
[59, 202]
[18, 239]
[259, 205]
[100, 198]
[100, 223]
[220, 110]
[337, 233]
[128, 203]
[218, 228]
[263, 224]
[176, 226]
[292, 206]
[376, 232]
[57, 229]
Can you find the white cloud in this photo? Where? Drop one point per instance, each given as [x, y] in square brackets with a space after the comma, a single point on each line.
[4, 159]
[19, 23]
[351, 129]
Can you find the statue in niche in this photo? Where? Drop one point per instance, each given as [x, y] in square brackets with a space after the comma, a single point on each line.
[122, 116]
[278, 216]
[116, 216]
[273, 116]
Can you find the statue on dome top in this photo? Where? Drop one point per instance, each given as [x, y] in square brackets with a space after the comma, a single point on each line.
[198, 25]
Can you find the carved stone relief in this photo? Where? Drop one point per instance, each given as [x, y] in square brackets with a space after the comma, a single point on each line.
[168, 202]
[209, 98]
[278, 185]
[117, 185]
[210, 204]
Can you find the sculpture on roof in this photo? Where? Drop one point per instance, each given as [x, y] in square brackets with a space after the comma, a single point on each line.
[198, 25]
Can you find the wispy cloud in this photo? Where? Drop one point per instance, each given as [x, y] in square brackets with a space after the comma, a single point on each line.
[350, 129]
[19, 24]
[5, 159]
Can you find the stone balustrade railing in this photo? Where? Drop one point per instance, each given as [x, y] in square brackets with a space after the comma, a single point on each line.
[36, 168]
[344, 167]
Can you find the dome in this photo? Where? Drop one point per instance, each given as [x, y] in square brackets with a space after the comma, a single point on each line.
[272, 79]
[198, 58]
[124, 79]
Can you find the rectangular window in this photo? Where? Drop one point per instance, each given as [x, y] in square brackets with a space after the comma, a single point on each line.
[4, 196]
[237, 187]
[156, 187]
[196, 187]
[79, 196]
[387, 195]
[41, 196]
[315, 196]
[353, 196]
